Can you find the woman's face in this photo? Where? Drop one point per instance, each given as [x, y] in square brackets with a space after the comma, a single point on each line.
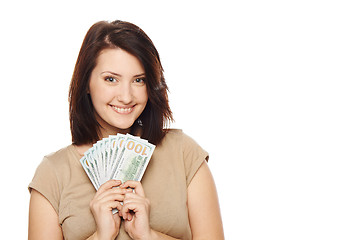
[118, 90]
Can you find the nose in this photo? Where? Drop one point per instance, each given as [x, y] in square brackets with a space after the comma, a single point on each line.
[124, 93]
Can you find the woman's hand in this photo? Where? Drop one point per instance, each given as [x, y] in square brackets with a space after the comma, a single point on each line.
[108, 197]
[136, 211]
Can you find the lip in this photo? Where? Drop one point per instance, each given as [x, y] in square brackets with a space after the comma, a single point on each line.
[123, 109]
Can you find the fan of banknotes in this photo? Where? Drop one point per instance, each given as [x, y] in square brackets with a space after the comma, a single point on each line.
[121, 157]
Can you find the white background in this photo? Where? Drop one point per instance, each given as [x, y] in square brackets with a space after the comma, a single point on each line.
[269, 88]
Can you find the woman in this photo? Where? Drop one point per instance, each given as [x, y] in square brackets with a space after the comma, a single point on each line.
[118, 87]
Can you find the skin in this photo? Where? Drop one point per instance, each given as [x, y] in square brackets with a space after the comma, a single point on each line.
[117, 84]
[119, 80]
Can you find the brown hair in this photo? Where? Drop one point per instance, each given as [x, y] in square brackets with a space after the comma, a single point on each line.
[127, 36]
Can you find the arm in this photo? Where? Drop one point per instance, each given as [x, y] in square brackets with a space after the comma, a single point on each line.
[136, 212]
[44, 223]
[204, 210]
[41, 213]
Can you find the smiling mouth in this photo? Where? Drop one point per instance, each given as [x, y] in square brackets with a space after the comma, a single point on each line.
[122, 110]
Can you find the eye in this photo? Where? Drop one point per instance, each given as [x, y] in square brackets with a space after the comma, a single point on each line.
[110, 79]
[140, 81]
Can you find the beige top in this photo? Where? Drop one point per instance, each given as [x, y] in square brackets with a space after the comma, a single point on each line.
[62, 180]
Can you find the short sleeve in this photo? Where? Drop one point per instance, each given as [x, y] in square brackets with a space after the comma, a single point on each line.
[194, 156]
[45, 181]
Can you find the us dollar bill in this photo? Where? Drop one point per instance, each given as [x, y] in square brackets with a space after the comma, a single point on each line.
[135, 157]
[123, 157]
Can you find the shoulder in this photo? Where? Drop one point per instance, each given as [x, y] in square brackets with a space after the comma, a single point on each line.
[177, 141]
[57, 158]
[192, 155]
[50, 176]
[173, 134]
[53, 170]
[178, 137]
[58, 162]
[59, 153]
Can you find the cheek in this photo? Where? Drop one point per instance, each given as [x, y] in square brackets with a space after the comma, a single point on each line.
[95, 97]
[142, 96]
[145, 96]
[99, 94]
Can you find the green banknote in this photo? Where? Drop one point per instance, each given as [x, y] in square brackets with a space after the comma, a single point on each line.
[123, 157]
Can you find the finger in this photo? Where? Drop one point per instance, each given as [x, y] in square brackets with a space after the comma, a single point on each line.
[111, 197]
[105, 206]
[108, 185]
[133, 197]
[119, 207]
[128, 210]
[136, 185]
[118, 190]
[113, 193]
[131, 209]
[133, 204]
[111, 206]
[115, 204]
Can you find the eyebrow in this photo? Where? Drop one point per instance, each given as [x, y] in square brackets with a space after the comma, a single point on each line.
[119, 75]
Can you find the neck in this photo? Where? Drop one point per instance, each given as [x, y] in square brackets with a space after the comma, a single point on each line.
[107, 132]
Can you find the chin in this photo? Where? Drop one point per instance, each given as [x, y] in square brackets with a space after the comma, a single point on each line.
[124, 126]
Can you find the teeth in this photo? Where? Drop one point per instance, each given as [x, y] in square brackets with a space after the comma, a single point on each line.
[122, 110]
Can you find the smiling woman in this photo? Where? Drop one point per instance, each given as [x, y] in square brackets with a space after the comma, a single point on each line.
[118, 87]
[137, 47]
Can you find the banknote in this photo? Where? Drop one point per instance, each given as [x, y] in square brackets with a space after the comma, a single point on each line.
[135, 156]
[122, 157]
